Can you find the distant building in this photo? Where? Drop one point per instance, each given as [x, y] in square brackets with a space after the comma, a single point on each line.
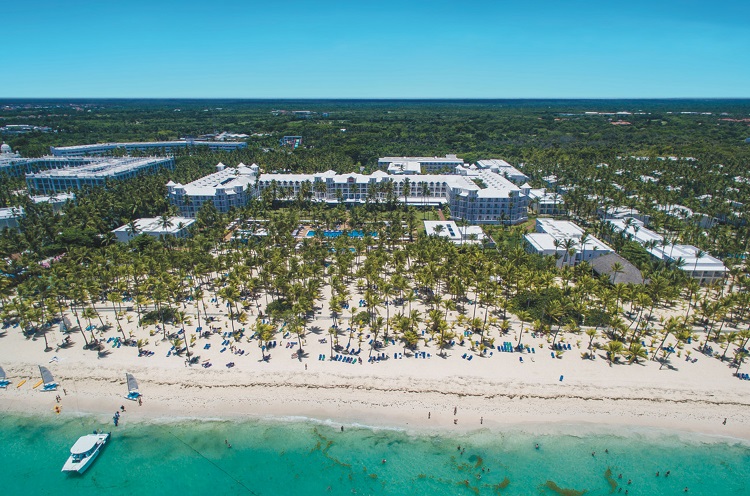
[95, 173]
[404, 168]
[706, 269]
[228, 187]
[154, 226]
[165, 147]
[57, 201]
[458, 235]
[9, 217]
[428, 165]
[553, 237]
[293, 141]
[23, 129]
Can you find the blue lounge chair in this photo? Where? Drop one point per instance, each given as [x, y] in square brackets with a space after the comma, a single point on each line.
[552, 354]
[470, 357]
[223, 350]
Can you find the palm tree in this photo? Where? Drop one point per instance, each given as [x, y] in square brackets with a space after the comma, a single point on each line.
[636, 352]
[613, 349]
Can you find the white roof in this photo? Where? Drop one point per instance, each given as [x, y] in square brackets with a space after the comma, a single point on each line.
[153, 225]
[227, 179]
[101, 168]
[84, 444]
[453, 232]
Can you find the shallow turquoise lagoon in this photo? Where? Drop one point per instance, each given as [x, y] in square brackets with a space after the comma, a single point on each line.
[271, 457]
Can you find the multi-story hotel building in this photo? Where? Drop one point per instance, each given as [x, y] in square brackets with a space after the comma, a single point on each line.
[149, 146]
[426, 164]
[94, 173]
[228, 187]
[477, 196]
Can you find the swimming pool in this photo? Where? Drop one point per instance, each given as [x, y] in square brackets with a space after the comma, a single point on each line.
[336, 234]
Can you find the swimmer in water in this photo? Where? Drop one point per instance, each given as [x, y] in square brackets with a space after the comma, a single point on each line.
[383, 462]
[536, 446]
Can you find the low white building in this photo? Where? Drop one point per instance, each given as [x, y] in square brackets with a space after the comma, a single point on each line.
[404, 168]
[9, 217]
[154, 226]
[543, 202]
[566, 241]
[457, 234]
[706, 269]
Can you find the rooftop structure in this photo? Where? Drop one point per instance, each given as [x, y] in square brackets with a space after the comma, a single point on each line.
[154, 226]
[228, 187]
[94, 173]
[15, 165]
[427, 164]
[627, 273]
[151, 146]
[458, 235]
[566, 241]
[543, 202]
[404, 168]
[706, 269]
[504, 169]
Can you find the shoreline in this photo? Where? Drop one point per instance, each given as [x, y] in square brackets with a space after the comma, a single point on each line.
[387, 402]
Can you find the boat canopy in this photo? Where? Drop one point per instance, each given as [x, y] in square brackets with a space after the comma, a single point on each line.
[46, 375]
[84, 444]
[132, 384]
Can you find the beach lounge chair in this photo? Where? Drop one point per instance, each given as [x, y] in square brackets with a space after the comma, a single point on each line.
[520, 359]
[463, 356]
[552, 354]
[223, 350]
[470, 357]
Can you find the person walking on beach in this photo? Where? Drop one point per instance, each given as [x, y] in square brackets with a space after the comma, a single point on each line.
[725, 421]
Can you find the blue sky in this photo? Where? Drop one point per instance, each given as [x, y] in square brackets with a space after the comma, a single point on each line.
[384, 49]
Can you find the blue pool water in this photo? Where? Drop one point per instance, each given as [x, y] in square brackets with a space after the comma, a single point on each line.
[336, 234]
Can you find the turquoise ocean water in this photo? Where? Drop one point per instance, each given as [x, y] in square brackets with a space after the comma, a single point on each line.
[305, 457]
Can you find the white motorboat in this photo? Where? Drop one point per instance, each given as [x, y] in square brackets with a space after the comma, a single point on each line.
[84, 452]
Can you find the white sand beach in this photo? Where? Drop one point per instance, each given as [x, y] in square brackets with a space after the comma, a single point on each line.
[408, 392]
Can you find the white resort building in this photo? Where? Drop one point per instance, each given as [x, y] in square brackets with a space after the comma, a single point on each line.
[154, 226]
[482, 197]
[426, 164]
[504, 169]
[146, 146]
[706, 269]
[94, 173]
[566, 241]
[457, 234]
[228, 187]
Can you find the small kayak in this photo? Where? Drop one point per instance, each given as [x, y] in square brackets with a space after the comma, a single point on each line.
[38, 384]
[21, 383]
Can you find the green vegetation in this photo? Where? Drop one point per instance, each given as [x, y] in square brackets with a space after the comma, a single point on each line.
[467, 288]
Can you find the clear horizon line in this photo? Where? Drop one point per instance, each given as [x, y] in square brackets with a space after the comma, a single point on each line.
[372, 98]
